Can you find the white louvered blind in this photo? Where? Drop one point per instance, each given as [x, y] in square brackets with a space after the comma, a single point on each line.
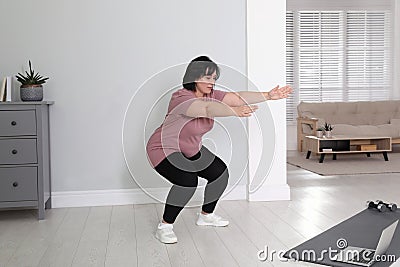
[369, 60]
[291, 100]
[338, 56]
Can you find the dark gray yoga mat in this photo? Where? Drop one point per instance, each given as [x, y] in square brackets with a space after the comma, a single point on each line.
[361, 230]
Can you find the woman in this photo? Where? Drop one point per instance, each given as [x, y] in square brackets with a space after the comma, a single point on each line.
[175, 150]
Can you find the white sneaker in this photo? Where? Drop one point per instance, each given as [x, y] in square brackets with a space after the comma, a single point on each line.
[165, 233]
[211, 219]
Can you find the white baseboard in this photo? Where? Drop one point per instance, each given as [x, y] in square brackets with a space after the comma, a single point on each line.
[129, 196]
[271, 193]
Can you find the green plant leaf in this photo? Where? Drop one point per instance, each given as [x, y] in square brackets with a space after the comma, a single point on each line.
[30, 77]
[30, 68]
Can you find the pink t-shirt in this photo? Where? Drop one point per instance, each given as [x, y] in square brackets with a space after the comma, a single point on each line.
[178, 132]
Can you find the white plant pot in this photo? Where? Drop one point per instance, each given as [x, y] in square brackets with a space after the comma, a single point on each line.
[320, 134]
[328, 134]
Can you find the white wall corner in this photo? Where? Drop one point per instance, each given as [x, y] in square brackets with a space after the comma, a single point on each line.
[275, 185]
[266, 21]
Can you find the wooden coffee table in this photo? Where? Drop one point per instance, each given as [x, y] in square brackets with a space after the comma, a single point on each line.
[341, 144]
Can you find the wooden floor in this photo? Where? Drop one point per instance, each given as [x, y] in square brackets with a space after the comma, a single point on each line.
[124, 235]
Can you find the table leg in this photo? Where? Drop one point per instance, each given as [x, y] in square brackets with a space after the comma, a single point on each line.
[368, 154]
[334, 156]
[308, 154]
[321, 158]
[385, 156]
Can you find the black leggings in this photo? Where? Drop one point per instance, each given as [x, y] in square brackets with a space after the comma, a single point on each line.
[183, 172]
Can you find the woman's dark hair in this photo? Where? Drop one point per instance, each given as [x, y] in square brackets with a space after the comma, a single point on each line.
[197, 68]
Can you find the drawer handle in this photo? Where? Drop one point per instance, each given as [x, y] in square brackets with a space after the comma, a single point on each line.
[15, 184]
[13, 123]
[14, 151]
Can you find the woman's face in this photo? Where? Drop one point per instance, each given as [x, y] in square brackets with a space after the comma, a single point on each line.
[205, 84]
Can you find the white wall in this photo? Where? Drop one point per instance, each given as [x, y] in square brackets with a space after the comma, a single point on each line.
[97, 53]
[266, 24]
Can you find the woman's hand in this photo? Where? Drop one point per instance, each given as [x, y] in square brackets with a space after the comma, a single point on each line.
[244, 111]
[280, 92]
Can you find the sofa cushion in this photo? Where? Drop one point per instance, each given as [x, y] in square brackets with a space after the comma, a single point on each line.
[385, 130]
[352, 113]
[395, 121]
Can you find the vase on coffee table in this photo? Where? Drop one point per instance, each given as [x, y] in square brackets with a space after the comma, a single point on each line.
[328, 134]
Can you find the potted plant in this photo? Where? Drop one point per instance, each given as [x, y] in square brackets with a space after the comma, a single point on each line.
[31, 88]
[320, 132]
[328, 130]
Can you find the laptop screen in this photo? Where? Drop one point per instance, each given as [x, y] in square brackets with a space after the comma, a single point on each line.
[386, 238]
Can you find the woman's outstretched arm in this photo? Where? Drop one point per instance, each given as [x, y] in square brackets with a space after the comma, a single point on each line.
[210, 109]
[235, 99]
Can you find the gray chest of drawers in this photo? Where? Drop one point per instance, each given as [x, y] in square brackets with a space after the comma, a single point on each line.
[25, 155]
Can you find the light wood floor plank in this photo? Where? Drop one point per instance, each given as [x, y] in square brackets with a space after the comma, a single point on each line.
[92, 247]
[121, 246]
[286, 233]
[304, 226]
[212, 250]
[31, 250]
[150, 251]
[232, 235]
[308, 212]
[124, 235]
[61, 250]
[15, 225]
[324, 203]
[255, 230]
[183, 253]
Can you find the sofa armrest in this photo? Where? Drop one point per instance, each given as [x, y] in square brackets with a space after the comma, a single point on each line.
[307, 120]
[312, 122]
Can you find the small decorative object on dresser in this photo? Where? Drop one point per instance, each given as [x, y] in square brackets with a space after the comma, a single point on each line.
[328, 130]
[31, 85]
[25, 155]
[320, 132]
[6, 89]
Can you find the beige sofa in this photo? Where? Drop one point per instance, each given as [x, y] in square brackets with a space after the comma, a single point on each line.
[364, 118]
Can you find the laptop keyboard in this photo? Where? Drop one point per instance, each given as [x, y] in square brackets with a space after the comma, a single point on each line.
[368, 257]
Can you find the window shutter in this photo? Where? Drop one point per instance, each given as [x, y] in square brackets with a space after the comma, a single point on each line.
[368, 56]
[338, 55]
[320, 56]
[291, 103]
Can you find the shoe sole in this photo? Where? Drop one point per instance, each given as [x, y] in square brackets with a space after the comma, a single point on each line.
[210, 224]
[166, 242]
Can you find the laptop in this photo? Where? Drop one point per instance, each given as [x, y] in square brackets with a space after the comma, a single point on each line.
[367, 256]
